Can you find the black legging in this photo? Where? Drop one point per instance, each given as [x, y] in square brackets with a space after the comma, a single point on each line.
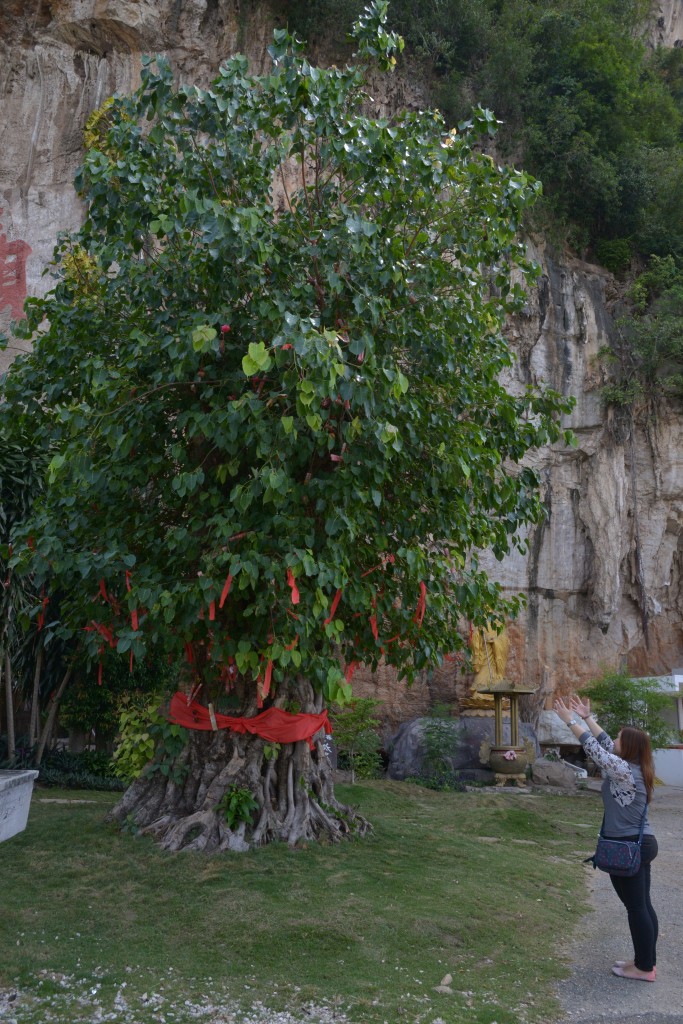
[634, 893]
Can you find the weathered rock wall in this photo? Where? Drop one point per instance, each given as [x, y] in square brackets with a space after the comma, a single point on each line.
[607, 562]
[667, 23]
[602, 574]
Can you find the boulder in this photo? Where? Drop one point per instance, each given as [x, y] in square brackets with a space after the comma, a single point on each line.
[552, 731]
[554, 773]
[459, 739]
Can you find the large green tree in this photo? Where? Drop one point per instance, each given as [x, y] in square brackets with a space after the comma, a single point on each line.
[270, 365]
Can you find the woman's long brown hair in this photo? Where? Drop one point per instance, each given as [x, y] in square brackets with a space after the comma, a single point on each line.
[634, 745]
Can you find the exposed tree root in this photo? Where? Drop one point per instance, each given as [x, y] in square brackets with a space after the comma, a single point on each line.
[293, 791]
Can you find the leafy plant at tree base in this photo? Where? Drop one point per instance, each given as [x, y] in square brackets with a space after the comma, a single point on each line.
[146, 739]
[619, 700]
[237, 806]
[354, 729]
[270, 370]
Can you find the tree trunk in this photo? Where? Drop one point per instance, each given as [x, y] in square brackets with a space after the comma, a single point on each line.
[35, 699]
[52, 709]
[9, 703]
[183, 804]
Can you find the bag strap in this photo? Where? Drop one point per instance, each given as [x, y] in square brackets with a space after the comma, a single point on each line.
[642, 824]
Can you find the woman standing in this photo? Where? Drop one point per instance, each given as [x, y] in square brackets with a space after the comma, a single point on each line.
[629, 774]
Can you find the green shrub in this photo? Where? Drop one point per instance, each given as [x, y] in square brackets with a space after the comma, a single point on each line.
[363, 764]
[439, 737]
[147, 740]
[358, 745]
[619, 700]
[86, 770]
[647, 359]
[615, 254]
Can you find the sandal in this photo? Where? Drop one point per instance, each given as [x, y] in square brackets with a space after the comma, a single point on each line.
[630, 963]
[622, 972]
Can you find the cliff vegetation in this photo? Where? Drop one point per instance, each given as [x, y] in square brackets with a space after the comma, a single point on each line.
[588, 105]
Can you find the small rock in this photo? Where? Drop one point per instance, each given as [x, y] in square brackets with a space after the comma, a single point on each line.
[446, 980]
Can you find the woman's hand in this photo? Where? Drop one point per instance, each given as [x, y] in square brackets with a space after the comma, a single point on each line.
[562, 711]
[582, 708]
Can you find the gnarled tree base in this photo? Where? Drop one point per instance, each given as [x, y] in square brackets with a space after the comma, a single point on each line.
[293, 789]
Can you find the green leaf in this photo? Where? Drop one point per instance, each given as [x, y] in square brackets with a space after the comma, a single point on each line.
[257, 360]
[56, 463]
[202, 338]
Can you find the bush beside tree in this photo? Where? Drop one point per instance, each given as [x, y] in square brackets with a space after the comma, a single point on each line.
[619, 700]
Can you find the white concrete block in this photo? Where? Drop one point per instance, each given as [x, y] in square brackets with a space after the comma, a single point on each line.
[669, 765]
[15, 798]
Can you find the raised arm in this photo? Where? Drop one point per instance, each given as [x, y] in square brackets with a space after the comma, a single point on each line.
[583, 710]
[622, 783]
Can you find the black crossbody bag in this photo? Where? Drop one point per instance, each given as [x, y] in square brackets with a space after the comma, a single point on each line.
[618, 856]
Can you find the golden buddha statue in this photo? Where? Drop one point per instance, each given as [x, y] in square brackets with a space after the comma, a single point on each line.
[489, 659]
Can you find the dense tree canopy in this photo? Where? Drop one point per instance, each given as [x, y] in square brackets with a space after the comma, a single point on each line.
[268, 374]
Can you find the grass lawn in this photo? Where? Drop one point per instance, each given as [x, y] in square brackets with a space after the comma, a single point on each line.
[101, 926]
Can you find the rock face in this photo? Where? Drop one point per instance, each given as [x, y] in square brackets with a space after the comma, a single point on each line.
[667, 23]
[602, 574]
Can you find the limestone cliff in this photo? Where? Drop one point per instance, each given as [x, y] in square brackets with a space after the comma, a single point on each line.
[667, 23]
[603, 574]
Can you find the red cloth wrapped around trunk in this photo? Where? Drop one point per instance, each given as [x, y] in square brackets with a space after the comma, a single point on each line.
[274, 725]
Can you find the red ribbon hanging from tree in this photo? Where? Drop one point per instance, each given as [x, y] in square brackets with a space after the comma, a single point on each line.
[41, 614]
[266, 681]
[333, 608]
[104, 631]
[292, 583]
[225, 591]
[421, 605]
[373, 619]
[350, 670]
[134, 613]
